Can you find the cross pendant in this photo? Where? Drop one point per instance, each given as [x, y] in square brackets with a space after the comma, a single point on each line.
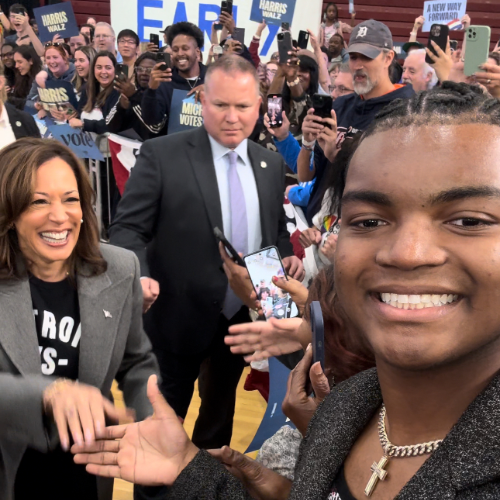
[378, 473]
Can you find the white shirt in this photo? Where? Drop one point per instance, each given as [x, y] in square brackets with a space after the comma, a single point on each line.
[6, 133]
[247, 179]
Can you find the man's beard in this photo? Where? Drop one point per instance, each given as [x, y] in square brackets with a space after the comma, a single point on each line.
[363, 88]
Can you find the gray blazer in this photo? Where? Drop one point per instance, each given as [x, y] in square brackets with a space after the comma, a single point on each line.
[465, 467]
[113, 347]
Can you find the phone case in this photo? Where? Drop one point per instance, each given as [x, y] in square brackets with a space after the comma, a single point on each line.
[284, 46]
[303, 39]
[439, 35]
[477, 48]
[239, 35]
[318, 333]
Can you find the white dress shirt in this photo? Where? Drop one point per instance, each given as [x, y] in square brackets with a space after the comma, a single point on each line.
[6, 133]
[247, 179]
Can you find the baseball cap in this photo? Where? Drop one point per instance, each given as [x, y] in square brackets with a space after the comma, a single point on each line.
[410, 45]
[370, 38]
[165, 30]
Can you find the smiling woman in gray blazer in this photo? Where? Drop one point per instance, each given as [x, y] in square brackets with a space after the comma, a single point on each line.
[71, 323]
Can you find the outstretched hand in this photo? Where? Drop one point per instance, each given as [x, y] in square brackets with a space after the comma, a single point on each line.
[150, 453]
[263, 339]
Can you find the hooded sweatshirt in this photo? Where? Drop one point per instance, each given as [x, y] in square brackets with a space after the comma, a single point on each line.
[354, 114]
[156, 103]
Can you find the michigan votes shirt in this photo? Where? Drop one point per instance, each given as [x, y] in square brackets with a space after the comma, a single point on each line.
[54, 475]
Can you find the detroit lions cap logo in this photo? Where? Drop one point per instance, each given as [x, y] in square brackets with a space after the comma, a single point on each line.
[363, 31]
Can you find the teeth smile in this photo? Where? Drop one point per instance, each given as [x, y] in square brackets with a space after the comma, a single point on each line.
[55, 237]
[417, 301]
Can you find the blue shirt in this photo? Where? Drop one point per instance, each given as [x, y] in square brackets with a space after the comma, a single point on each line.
[247, 179]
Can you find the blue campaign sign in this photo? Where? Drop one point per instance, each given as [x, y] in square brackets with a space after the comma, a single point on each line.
[44, 125]
[185, 113]
[77, 140]
[274, 418]
[273, 12]
[56, 19]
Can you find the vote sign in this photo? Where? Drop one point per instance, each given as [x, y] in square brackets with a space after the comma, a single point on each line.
[78, 141]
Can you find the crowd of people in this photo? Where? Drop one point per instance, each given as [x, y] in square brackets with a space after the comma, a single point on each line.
[384, 209]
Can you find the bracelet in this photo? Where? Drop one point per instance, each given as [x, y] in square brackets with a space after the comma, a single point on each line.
[414, 33]
[307, 143]
[307, 148]
[294, 83]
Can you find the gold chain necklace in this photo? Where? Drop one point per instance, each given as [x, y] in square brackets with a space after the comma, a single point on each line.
[393, 451]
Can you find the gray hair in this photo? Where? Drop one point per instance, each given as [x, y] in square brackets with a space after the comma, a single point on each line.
[231, 64]
[427, 68]
[103, 24]
[344, 68]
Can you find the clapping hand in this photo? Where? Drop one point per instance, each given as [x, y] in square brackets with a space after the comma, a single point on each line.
[298, 405]
[150, 453]
[260, 482]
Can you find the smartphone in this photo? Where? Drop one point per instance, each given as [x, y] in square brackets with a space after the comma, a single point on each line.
[239, 35]
[284, 46]
[262, 266]
[439, 35]
[322, 105]
[477, 48]
[121, 72]
[318, 333]
[227, 6]
[285, 26]
[230, 249]
[275, 110]
[165, 59]
[303, 39]
[154, 38]
[453, 45]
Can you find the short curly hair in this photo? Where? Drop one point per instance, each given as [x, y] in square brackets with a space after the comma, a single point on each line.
[188, 29]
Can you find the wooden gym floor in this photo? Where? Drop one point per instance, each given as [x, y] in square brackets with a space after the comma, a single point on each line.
[250, 408]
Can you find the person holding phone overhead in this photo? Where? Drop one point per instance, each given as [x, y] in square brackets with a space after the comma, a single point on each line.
[186, 41]
[24, 35]
[181, 188]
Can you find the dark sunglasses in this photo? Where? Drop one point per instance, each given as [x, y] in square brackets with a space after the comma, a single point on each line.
[52, 44]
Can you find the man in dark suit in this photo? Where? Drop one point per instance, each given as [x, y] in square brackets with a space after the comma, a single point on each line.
[182, 187]
[14, 123]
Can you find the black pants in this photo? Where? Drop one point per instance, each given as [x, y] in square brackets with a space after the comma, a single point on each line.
[219, 372]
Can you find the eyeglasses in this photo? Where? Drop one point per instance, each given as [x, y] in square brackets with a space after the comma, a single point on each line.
[140, 70]
[124, 41]
[340, 89]
[52, 44]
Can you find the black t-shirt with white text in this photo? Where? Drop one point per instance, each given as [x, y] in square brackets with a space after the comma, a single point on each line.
[57, 319]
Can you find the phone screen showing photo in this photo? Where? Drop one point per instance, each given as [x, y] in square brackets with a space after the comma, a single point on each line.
[275, 110]
[262, 267]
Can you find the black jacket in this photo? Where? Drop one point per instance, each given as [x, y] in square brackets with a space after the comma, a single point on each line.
[465, 467]
[99, 127]
[156, 103]
[22, 123]
[167, 215]
[119, 119]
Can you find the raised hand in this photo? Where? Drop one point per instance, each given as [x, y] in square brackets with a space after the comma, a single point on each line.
[150, 453]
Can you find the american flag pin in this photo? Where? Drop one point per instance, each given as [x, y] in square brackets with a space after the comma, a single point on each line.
[263, 164]
[107, 314]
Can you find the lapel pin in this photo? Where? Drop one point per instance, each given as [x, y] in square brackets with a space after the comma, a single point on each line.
[107, 314]
[263, 164]
[18, 124]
